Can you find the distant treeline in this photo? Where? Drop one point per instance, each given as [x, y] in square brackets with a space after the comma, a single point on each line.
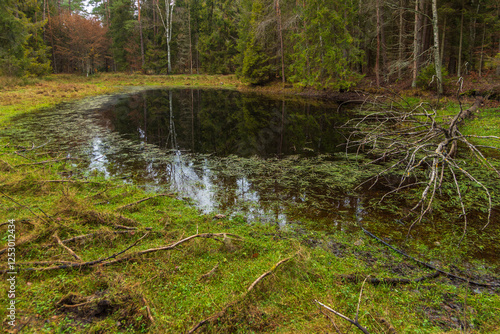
[320, 43]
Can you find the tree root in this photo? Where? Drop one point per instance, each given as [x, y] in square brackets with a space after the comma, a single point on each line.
[148, 310]
[390, 281]
[427, 265]
[221, 313]
[209, 274]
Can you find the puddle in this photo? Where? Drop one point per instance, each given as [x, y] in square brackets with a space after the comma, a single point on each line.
[273, 161]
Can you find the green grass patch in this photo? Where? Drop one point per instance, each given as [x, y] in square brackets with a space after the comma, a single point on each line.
[176, 285]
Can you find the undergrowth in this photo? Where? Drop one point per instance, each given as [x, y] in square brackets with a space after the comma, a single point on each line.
[170, 291]
[206, 278]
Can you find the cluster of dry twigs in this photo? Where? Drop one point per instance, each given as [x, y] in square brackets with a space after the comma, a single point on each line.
[415, 139]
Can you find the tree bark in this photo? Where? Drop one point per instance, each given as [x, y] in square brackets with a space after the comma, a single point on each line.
[482, 50]
[190, 39]
[443, 41]
[140, 31]
[377, 58]
[400, 38]
[459, 69]
[417, 41]
[437, 60]
[280, 31]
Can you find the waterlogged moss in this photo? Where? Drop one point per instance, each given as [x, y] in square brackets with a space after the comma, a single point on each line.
[90, 198]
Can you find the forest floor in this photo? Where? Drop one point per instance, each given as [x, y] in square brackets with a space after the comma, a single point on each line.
[97, 255]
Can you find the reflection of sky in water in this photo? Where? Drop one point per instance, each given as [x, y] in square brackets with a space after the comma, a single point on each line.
[98, 159]
[117, 143]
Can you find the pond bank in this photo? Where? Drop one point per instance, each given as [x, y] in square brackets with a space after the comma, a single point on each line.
[213, 274]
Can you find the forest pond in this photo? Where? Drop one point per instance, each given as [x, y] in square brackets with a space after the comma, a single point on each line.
[278, 161]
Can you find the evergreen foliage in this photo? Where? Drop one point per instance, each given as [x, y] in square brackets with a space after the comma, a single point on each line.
[323, 44]
[22, 50]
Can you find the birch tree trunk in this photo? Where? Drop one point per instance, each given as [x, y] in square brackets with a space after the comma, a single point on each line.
[169, 11]
[167, 24]
[140, 32]
[437, 60]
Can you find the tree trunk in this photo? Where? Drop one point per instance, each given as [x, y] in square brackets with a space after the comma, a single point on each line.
[416, 43]
[280, 32]
[140, 31]
[442, 42]
[169, 11]
[472, 37]
[400, 38]
[498, 67]
[167, 24]
[383, 45]
[190, 40]
[377, 59]
[459, 69]
[437, 60]
[482, 50]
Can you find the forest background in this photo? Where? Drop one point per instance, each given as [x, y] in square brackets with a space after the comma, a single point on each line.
[321, 44]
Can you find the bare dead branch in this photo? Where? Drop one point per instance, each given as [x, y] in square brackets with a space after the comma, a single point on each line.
[142, 200]
[221, 313]
[46, 162]
[413, 140]
[425, 264]
[210, 273]
[354, 322]
[21, 205]
[390, 280]
[148, 310]
[69, 250]
[108, 261]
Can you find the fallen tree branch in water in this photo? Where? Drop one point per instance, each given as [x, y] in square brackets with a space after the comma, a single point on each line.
[416, 143]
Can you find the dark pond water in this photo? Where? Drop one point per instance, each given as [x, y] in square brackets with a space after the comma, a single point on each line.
[268, 160]
[223, 150]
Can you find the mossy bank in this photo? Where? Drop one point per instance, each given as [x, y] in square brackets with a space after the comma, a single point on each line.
[100, 255]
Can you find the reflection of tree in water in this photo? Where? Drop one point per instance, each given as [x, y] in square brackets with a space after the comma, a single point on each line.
[186, 124]
[225, 122]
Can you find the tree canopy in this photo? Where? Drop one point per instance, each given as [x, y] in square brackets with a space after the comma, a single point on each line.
[305, 42]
